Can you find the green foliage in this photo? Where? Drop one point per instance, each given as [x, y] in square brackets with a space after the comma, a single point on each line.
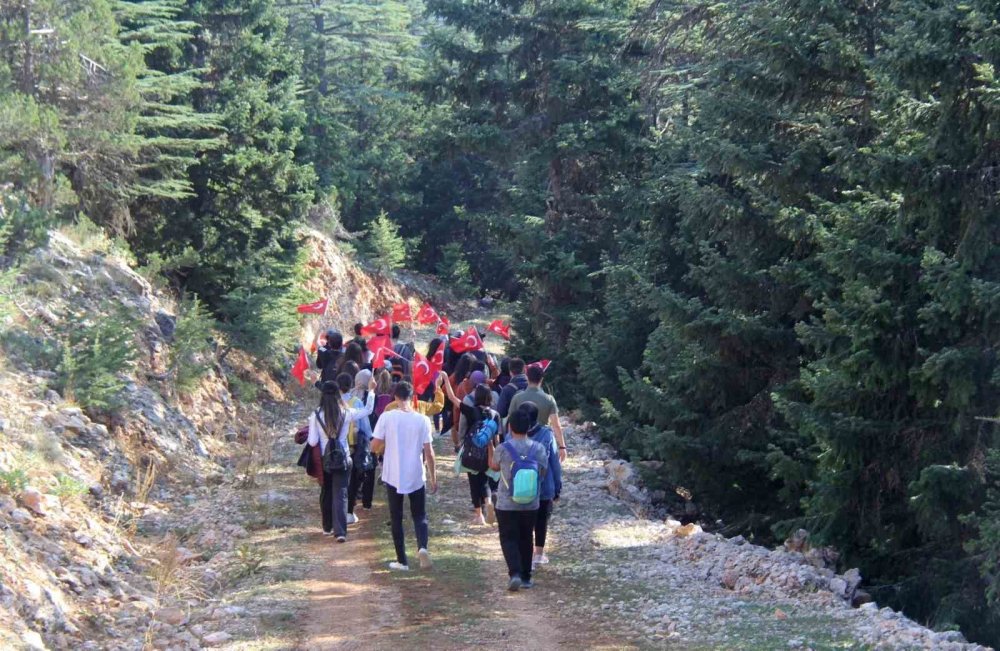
[986, 545]
[28, 348]
[69, 488]
[23, 227]
[385, 247]
[98, 354]
[13, 481]
[454, 269]
[191, 348]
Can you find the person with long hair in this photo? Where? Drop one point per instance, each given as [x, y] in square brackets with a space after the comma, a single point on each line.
[461, 387]
[478, 413]
[328, 426]
[328, 354]
[360, 448]
[352, 353]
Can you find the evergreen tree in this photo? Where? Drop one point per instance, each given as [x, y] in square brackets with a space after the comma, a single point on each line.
[385, 247]
[251, 193]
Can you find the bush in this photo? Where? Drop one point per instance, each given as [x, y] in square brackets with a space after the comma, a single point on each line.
[22, 227]
[192, 344]
[68, 488]
[95, 358]
[13, 481]
[454, 269]
[384, 244]
[28, 348]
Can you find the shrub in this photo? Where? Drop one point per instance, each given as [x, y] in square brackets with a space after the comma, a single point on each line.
[22, 227]
[28, 348]
[454, 269]
[192, 344]
[13, 481]
[384, 244]
[95, 358]
[69, 488]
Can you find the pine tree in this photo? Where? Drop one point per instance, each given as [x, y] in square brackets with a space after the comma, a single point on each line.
[251, 193]
[385, 247]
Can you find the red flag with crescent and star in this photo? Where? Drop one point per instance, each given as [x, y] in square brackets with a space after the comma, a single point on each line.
[381, 326]
[497, 327]
[427, 315]
[470, 340]
[422, 373]
[317, 307]
[443, 326]
[401, 313]
[300, 367]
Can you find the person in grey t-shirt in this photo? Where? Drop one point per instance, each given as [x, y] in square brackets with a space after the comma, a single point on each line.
[516, 522]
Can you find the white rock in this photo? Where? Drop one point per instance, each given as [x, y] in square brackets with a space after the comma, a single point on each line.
[216, 639]
[33, 500]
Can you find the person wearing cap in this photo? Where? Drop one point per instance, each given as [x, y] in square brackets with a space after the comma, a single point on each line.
[328, 425]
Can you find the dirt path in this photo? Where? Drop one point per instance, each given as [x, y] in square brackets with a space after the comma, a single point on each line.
[461, 602]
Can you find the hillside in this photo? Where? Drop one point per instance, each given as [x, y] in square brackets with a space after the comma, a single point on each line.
[182, 522]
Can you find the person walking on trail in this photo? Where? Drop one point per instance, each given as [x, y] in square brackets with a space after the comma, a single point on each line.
[551, 486]
[518, 382]
[480, 429]
[328, 428]
[522, 463]
[328, 355]
[548, 411]
[404, 439]
[361, 450]
[429, 409]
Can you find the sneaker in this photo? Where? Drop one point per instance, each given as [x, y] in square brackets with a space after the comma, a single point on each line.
[327, 533]
[514, 584]
[534, 562]
[491, 513]
[399, 567]
[527, 585]
[478, 520]
[341, 538]
[352, 519]
[542, 559]
[425, 559]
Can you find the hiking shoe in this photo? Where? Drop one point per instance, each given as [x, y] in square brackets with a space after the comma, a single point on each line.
[352, 519]
[491, 513]
[425, 559]
[514, 584]
[341, 538]
[399, 567]
[527, 585]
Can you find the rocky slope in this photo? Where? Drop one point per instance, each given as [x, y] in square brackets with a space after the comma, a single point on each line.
[82, 562]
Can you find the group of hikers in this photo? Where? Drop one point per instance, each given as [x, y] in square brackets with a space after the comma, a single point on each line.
[504, 428]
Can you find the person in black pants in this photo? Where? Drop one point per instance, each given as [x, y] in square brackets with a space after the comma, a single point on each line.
[516, 521]
[404, 437]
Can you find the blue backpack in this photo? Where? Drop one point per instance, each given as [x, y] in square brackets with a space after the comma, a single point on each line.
[524, 475]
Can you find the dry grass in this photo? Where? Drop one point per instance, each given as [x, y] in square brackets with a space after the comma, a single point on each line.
[256, 451]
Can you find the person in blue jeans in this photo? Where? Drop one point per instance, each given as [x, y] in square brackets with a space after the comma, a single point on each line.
[548, 493]
[516, 520]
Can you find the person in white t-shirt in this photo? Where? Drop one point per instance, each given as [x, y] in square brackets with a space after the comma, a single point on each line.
[404, 438]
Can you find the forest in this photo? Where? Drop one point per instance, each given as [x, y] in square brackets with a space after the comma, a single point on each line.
[760, 240]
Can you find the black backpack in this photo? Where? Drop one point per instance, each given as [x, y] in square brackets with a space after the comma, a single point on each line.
[335, 457]
[475, 457]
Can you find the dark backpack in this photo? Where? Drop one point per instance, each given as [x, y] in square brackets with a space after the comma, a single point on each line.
[335, 457]
[477, 437]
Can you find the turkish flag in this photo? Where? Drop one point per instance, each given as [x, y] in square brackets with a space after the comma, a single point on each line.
[542, 364]
[382, 326]
[427, 315]
[300, 367]
[319, 307]
[437, 360]
[401, 313]
[443, 326]
[468, 341]
[422, 373]
[497, 327]
[376, 344]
